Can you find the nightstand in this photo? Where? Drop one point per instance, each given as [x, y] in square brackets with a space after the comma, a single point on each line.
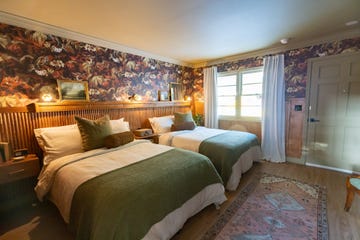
[17, 182]
[11, 171]
[153, 137]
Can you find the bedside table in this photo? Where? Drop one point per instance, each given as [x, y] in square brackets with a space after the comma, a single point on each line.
[153, 138]
[17, 182]
[11, 171]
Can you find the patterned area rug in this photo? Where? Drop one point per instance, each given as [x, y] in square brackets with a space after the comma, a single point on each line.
[273, 207]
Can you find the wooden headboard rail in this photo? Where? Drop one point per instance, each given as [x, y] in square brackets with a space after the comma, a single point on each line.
[17, 124]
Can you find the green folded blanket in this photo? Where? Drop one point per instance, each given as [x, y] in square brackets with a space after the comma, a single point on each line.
[125, 203]
[225, 149]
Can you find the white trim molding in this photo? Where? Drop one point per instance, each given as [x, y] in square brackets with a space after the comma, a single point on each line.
[273, 50]
[331, 168]
[64, 33]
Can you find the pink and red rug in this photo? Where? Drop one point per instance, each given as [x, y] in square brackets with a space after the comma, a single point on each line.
[276, 208]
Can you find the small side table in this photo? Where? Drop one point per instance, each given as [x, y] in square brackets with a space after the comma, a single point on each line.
[153, 137]
[17, 182]
[11, 171]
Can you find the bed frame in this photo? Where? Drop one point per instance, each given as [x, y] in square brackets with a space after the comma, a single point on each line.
[17, 124]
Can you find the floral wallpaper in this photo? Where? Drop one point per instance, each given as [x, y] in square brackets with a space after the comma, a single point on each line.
[31, 62]
[295, 65]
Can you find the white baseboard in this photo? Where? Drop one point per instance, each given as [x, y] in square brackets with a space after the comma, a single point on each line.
[332, 168]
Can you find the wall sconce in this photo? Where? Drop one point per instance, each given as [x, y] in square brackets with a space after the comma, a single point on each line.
[47, 94]
[187, 98]
[138, 98]
[47, 97]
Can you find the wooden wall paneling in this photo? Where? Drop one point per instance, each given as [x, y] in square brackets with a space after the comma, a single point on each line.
[17, 124]
[3, 130]
[23, 124]
[18, 129]
[287, 123]
[294, 127]
[30, 129]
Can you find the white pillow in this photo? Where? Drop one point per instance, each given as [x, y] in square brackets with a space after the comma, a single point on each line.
[161, 124]
[119, 126]
[57, 142]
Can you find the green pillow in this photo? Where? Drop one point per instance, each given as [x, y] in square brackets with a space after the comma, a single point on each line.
[118, 139]
[93, 132]
[181, 118]
[183, 126]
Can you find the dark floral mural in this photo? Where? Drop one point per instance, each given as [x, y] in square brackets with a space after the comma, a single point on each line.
[31, 62]
[295, 65]
[296, 62]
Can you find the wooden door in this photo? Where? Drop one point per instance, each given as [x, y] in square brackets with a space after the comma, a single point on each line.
[333, 123]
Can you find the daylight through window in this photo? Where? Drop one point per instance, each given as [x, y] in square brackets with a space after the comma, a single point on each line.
[239, 94]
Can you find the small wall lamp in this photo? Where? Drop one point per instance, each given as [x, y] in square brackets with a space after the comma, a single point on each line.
[187, 98]
[47, 97]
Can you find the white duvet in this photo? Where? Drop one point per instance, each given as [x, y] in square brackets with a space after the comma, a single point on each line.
[61, 177]
[191, 140]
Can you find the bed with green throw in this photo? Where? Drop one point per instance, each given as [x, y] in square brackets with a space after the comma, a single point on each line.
[139, 190]
[231, 152]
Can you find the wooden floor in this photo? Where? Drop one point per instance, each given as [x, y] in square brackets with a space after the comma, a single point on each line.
[39, 221]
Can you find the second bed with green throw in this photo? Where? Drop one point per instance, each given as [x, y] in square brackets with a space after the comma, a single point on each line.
[231, 152]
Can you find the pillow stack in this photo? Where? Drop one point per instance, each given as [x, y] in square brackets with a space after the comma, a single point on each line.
[103, 132]
[86, 135]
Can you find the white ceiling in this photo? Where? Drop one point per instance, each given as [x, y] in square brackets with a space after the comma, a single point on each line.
[193, 31]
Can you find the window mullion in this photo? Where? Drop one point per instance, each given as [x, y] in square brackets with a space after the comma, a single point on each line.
[238, 95]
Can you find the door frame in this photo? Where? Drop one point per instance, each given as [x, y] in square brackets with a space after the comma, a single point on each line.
[304, 152]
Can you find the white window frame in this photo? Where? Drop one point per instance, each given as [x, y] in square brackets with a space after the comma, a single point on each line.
[238, 94]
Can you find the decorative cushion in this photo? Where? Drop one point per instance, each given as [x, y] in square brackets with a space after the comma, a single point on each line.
[118, 139]
[57, 142]
[183, 126]
[161, 124]
[183, 117]
[93, 132]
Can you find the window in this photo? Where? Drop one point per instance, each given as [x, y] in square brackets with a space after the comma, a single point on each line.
[239, 94]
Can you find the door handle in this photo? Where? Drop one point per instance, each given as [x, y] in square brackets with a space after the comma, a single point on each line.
[313, 120]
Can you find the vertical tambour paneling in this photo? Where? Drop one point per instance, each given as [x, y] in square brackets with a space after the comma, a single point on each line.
[17, 128]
